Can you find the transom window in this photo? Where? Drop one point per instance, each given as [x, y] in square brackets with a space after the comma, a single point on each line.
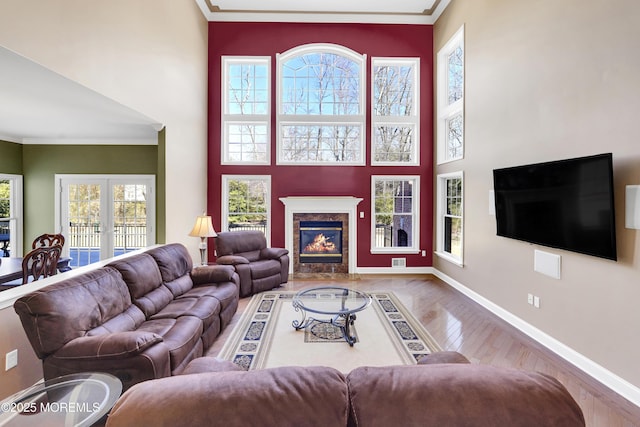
[246, 110]
[396, 220]
[321, 105]
[395, 116]
[246, 203]
[450, 134]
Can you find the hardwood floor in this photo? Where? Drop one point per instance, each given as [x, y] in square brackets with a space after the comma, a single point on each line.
[460, 324]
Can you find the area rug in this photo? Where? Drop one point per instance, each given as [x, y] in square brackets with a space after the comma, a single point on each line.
[387, 334]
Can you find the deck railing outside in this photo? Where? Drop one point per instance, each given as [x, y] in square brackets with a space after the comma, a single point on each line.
[125, 236]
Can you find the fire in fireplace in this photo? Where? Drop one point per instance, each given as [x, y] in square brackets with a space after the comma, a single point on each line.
[320, 241]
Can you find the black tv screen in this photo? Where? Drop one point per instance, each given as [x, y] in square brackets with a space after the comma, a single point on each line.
[565, 204]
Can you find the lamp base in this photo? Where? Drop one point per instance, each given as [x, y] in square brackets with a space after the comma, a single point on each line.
[203, 251]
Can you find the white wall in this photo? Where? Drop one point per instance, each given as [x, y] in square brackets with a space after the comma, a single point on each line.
[150, 55]
[548, 80]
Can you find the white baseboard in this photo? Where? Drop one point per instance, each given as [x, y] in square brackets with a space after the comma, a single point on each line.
[598, 372]
[395, 270]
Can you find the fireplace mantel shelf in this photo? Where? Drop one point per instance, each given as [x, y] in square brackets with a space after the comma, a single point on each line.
[322, 204]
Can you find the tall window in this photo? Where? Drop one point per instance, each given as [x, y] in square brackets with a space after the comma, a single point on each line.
[450, 65]
[396, 220]
[395, 116]
[321, 105]
[246, 203]
[449, 227]
[10, 215]
[246, 113]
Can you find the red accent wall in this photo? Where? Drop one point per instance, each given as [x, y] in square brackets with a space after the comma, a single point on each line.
[374, 40]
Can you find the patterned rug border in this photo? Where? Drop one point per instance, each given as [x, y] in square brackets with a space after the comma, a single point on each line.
[251, 339]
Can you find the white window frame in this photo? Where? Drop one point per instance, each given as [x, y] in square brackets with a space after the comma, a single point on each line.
[441, 212]
[290, 119]
[445, 111]
[107, 225]
[228, 119]
[412, 120]
[16, 217]
[224, 223]
[415, 208]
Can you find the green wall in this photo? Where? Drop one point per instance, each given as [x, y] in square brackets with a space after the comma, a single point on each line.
[161, 190]
[40, 163]
[10, 158]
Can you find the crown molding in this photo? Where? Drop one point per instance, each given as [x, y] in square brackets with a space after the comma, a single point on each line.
[214, 13]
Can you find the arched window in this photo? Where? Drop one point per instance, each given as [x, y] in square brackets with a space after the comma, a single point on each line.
[321, 103]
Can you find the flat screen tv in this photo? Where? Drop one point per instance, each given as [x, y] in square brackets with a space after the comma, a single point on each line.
[565, 204]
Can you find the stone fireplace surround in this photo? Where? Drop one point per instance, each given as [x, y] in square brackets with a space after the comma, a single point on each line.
[323, 208]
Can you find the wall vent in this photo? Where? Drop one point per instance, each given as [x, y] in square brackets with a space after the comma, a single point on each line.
[398, 262]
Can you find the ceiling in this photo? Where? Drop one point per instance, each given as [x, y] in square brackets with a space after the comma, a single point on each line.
[356, 11]
[38, 106]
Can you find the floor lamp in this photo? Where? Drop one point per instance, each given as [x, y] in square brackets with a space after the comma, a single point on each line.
[203, 229]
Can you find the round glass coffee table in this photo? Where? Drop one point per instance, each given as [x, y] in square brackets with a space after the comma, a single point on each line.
[341, 304]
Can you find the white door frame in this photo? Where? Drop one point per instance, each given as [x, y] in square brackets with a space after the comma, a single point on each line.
[107, 222]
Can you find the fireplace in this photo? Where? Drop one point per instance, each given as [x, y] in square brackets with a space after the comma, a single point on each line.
[321, 208]
[320, 242]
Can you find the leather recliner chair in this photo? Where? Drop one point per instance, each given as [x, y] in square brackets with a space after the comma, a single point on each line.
[260, 268]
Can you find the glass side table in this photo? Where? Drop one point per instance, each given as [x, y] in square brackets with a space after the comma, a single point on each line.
[71, 400]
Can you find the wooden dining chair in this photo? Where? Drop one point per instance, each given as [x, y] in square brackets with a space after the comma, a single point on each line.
[46, 240]
[40, 262]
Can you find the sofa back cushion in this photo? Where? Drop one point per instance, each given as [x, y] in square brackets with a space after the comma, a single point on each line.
[175, 267]
[278, 397]
[459, 395]
[142, 276]
[243, 243]
[57, 314]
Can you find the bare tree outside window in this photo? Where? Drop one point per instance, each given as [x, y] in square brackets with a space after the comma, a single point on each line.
[246, 137]
[394, 116]
[450, 99]
[321, 112]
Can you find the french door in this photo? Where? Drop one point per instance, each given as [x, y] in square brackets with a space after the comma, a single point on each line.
[10, 215]
[104, 216]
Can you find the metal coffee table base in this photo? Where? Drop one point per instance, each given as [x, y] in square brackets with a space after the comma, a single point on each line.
[341, 321]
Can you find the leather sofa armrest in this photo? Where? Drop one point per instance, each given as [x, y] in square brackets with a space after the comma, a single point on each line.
[212, 274]
[231, 260]
[273, 253]
[117, 345]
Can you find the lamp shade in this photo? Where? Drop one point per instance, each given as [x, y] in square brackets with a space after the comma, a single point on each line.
[203, 227]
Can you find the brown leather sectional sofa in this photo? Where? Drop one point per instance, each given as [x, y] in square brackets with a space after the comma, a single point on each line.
[141, 317]
[434, 393]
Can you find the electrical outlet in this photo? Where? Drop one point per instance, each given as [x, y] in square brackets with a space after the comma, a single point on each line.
[536, 302]
[424, 253]
[530, 299]
[11, 360]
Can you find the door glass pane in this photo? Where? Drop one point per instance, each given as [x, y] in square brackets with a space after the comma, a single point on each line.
[130, 217]
[84, 234]
[5, 213]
